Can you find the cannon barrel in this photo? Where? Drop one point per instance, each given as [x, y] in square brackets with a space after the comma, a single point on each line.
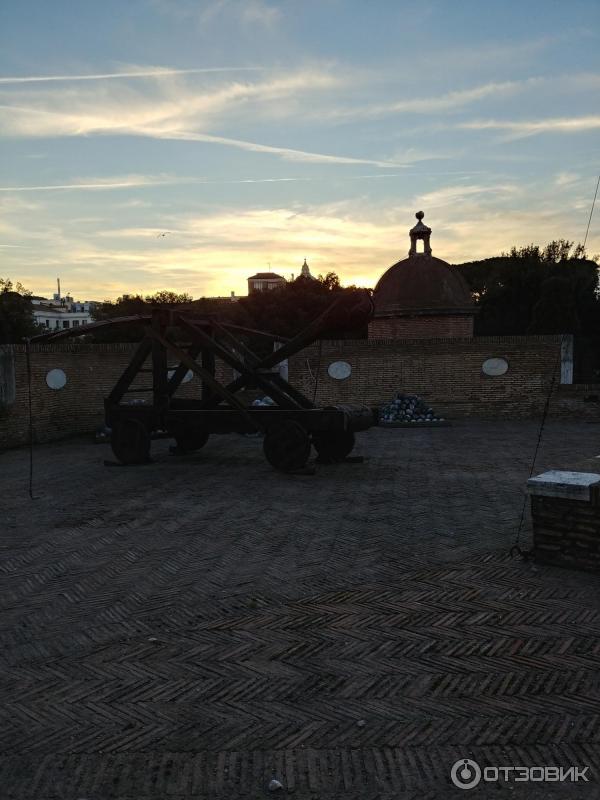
[358, 418]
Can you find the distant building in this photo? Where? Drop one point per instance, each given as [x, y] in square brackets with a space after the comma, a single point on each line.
[61, 312]
[264, 282]
[305, 272]
[231, 298]
[421, 297]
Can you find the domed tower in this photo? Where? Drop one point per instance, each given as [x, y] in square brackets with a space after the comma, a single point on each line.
[305, 271]
[421, 297]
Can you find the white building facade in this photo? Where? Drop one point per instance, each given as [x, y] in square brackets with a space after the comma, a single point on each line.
[61, 312]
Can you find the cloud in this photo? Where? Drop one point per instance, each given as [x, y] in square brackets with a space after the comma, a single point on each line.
[481, 53]
[154, 72]
[169, 105]
[124, 182]
[435, 104]
[522, 128]
[287, 153]
[150, 181]
[459, 98]
[452, 194]
[212, 253]
[177, 113]
[255, 13]
[566, 178]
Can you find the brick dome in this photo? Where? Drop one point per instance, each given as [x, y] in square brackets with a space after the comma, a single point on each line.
[421, 295]
[421, 283]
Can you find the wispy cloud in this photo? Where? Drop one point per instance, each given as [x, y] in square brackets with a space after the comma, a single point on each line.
[521, 128]
[169, 105]
[125, 182]
[566, 178]
[175, 112]
[288, 153]
[239, 12]
[495, 51]
[146, 181]
[437, 103]
[154, 72]
[211, 253]
[447, 195]
[460, 98]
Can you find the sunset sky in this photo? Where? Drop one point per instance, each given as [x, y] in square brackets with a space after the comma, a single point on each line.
[253, 132]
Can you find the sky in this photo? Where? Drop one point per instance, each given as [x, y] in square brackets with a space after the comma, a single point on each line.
[187, 144]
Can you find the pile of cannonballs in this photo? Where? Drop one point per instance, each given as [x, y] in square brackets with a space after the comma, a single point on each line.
[407, 408]
[263, 401]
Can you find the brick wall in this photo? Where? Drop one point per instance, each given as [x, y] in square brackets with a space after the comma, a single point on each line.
[91, 370]
[422, 327]
[567, 532]
[447, 372]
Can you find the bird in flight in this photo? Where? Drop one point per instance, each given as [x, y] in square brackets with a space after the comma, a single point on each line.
[161, 235]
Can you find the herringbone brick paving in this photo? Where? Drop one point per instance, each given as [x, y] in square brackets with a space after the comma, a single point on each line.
[190, 628]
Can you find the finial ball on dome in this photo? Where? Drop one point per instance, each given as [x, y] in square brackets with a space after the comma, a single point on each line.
[419, 215]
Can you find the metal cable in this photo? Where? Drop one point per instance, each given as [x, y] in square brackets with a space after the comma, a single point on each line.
[28, 357]
[587, 230]
[515, 549]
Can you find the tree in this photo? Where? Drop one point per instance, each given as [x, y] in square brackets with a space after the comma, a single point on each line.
[16, 313]
[167, 298]
[129, 305]
[284, 311]
[556, 310]
[287, 310]
[330, 281]
[536, 290]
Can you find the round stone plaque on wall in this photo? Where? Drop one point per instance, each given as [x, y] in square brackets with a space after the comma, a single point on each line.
[56, 379]
[494, 367]
[339, 370]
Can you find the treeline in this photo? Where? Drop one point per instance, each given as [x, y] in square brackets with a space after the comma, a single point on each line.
[535, 290]
[16, 313]
[530, 290]
[283, 311]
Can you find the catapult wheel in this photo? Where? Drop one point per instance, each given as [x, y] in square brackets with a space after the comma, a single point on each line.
[333, 445]
[130, 441]
[189, 441]
[287, 446]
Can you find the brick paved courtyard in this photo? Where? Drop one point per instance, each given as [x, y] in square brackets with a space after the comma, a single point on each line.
[194, 627]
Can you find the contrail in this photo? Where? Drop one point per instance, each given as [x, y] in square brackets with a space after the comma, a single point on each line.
[149, 184]
[84, 186]
[150, 73]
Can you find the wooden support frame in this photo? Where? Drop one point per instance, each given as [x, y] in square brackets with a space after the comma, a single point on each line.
[180, 371]
[220, 409]
[248, 374]
[292, 346]
[131, 370]
[204, 374]
[159, 364]
[209, 364]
